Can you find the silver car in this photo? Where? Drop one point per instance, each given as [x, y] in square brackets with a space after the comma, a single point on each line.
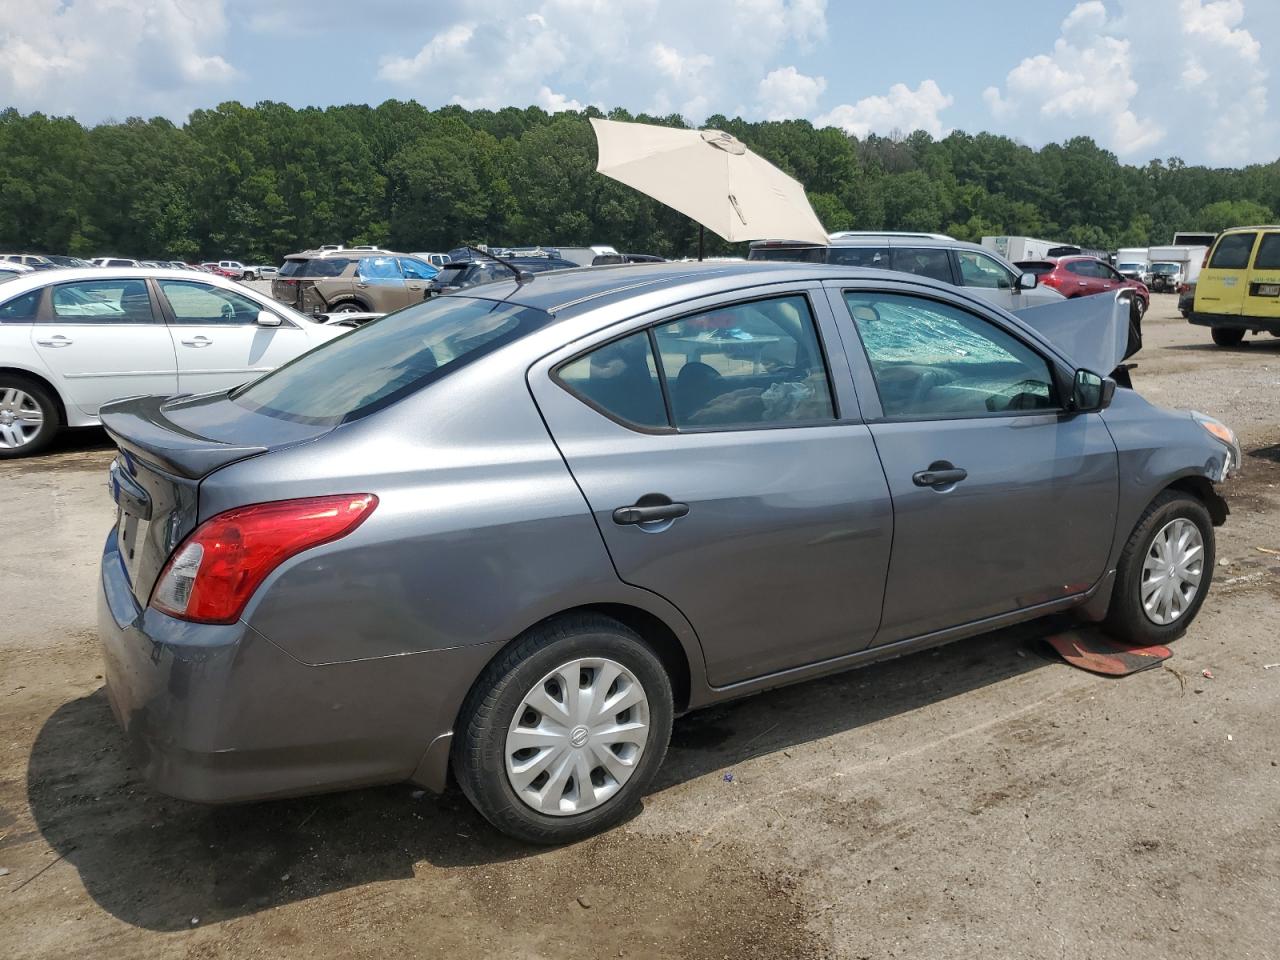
[512, 532]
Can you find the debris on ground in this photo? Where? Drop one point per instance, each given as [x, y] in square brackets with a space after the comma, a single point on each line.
[1207, 674]
[728, 778]
[584, 903]
[1268, 666]
[1268, 551]
[1182, 677]
[418, 794]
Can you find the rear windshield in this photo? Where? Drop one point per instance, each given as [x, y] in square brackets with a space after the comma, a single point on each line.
[1232, 252]
[318, 267]
[1038, 267]
[797, 254]
[387, 359]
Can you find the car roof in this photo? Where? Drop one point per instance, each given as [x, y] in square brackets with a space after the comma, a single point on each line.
[566, 292]
[880, 240]
[41, 278]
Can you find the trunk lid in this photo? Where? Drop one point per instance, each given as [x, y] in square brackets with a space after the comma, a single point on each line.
[167, 446]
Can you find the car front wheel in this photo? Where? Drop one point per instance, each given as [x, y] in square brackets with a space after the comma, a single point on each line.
[1164, 571]
[28, 417]
[562, 735]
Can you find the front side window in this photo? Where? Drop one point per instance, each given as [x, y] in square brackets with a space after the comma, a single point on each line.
[979, 270]
[416, 269]
[387, 359]
[932, 262]
[739, 366]
[103, 301]
[1232, 251]
[195, 303]
[932, 360]
[21, 309]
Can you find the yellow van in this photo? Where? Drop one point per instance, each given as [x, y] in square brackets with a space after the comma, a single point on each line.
[1239, 286]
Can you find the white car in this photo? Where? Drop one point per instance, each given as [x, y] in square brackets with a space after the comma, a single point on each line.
[260, 272]
[113, 262]
[73, 340]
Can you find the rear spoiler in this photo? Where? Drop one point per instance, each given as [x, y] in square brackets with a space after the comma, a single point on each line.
[138, 426]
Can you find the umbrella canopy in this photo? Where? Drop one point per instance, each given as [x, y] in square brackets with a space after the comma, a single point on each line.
[710, 177]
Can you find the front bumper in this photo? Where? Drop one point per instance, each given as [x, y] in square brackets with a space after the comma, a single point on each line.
[220, 713]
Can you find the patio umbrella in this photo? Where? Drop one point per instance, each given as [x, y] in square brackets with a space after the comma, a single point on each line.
[710, 177]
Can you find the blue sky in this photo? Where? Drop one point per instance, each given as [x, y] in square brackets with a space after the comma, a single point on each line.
[1146, 78]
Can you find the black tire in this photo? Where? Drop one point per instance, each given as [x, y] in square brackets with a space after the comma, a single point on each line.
[348, 306]
[1126, 618]
[1141, 307]
[478, 752]
[1227, 336]
[51, 419]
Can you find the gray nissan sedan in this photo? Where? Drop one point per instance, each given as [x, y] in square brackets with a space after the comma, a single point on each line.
[510, 533]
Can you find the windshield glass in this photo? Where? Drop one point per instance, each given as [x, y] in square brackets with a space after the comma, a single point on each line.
[1164, 268]
[1122, 267]
[387, 359]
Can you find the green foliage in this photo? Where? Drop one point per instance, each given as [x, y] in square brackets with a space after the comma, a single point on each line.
[259, 182]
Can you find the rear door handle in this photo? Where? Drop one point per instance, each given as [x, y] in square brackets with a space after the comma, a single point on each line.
[941, 473]
[57, 340]
[198, 342]
[650, 508]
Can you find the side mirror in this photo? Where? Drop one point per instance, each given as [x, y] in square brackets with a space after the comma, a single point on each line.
[1091, 392]
[267, 319]
[1028, 281]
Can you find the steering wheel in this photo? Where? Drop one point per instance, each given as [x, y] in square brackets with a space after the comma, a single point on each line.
[227, 311]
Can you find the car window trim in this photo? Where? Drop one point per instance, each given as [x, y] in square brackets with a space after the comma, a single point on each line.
[1055, 367]
[648, 327]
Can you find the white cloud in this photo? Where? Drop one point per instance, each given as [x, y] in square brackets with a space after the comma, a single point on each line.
[901, 109]
[787, 93]
[553, 102]
[96, 59]
[1121, 73]
[634, 56]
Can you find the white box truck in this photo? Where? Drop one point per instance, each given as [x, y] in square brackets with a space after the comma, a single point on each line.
[1187, 257]
[1014, 249]
[1133, 262]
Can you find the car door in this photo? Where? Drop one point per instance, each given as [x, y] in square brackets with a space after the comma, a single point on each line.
[217, 338]
[726, 476]
[104, 339]
[1223, 283]
[988, 278]
[1262, 291]
[1002, 500]
[380, 284]
[417, 275]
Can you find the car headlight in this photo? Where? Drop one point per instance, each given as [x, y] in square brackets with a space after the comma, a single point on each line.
[1220, 431]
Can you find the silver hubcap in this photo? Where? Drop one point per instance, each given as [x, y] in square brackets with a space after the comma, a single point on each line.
[20, 418]
[577, 737]
[1172, 572]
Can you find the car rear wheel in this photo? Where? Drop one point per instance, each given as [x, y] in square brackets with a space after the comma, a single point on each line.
[28, 417]
[1227, 336]
[562, 735]
[1164, 571]
[350, 306]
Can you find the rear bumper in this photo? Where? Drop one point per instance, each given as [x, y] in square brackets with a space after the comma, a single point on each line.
[220, 713]
[1235, 321]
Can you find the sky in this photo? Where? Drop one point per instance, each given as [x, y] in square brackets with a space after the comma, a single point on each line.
[1144, 78]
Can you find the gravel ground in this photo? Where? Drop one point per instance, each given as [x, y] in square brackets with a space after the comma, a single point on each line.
[973, 801]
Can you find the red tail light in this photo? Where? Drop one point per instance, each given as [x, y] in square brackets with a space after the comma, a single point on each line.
[211, 577]
[1050, 279]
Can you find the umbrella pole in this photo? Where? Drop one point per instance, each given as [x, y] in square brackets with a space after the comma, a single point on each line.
[701, 231]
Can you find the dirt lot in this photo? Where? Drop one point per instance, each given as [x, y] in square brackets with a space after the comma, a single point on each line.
[975, 801]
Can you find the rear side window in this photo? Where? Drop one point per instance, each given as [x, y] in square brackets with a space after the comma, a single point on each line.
[876, 257]
[315, 269]
[1232, 251]
[21, 309]
[789, 254]
[102, 301]
[1268, 257]
[387, 359]
[744, 365]
[380, 270]
[931, 262]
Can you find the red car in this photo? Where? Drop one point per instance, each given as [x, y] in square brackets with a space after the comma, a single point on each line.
[1083, 276]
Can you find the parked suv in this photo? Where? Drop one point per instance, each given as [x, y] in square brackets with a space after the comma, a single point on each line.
[351, 281]
[1085, 276]
[977, 269]
[1239, 286]
[512, 532]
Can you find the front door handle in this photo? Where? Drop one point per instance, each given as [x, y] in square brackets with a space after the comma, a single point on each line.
[651, 508]
[58, 340]
[197, 342]
[941, 473]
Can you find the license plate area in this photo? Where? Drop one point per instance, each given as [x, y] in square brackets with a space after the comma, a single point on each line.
[1266, 289]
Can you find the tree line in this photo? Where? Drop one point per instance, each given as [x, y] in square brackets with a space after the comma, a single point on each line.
[259, 182]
